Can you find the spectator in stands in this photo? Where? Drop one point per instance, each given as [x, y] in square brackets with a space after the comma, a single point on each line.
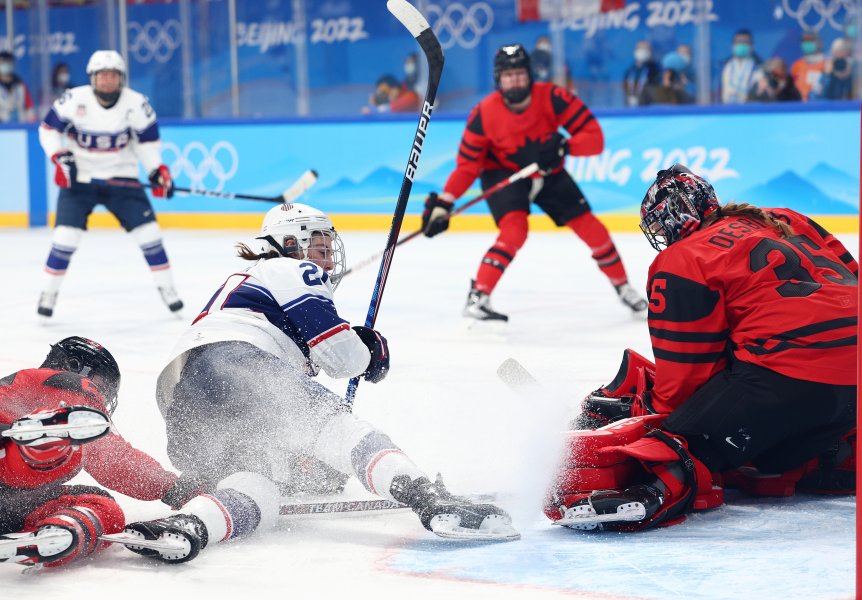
[774, 84]
[671, 90]
[16, 103]
[838, 71]
[542, 59]
[684, 51]
[391, 96]
[643, 73]
[807, 71]
[412, 75]
[740, 71]
[60, 80]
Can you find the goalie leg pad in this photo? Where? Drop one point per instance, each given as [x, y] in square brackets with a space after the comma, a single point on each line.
[630, 453]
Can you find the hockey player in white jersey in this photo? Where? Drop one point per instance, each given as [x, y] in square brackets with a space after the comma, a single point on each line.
[238, 397]
[100, 132]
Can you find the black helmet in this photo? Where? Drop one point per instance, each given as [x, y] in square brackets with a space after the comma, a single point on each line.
[513, 56]
[90, 359]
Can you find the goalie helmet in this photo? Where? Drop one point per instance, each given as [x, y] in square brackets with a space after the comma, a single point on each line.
[675, 205]
[513, 56]
[90, 359]
[302, 232]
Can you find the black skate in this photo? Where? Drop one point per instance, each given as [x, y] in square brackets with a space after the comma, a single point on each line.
[629, 296]
[479, 307]
[452, 516]
[47, 301]
[171, 299]
[612, 509]
[175, 539]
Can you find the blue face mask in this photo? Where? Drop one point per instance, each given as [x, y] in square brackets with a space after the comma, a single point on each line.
[851, 32]
[809, 47]
[742, 49]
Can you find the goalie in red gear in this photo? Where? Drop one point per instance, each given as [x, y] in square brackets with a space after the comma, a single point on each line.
[752, 317]
[510, 129]
[68, 401]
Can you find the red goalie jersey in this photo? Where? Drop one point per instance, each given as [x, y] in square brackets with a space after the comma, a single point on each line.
[737, 288]
[497, 138]
[111, 460]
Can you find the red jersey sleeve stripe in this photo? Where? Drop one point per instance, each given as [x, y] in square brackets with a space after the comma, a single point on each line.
[327, 334]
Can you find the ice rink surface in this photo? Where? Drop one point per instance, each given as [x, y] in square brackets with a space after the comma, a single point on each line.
[444, 405]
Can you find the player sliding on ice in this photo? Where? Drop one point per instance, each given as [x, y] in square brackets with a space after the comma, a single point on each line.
[238, 396]
[55, 422]
[752, 315]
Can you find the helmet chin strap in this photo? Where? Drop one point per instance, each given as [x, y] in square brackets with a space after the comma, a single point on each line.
[279, 247]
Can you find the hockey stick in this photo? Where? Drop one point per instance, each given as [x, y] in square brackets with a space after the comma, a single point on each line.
[524, 173]
[297, 509]
[299, 187]
[416, 24]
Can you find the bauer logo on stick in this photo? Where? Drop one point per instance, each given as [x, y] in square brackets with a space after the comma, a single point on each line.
[416, 152]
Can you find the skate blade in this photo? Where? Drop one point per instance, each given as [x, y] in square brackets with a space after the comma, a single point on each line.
[47, 543]
[586, 518]
[494, 528]
[173, 544]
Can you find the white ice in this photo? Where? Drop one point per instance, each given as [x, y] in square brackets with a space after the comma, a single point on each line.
[443, 404]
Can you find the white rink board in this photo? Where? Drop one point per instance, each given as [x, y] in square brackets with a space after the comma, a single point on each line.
[445, 406]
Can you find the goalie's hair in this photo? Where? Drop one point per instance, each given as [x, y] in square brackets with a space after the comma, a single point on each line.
[743, 209]
[246, 253]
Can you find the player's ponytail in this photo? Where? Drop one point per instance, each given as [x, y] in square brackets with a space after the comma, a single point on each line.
[744, 209]
[246, 253]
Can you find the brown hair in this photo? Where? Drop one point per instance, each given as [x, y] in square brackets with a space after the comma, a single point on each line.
[246, 253]
[731, 209]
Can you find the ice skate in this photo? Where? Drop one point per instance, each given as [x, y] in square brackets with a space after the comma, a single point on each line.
[611, 509]
[47, 301]
[451, 516]
[171, 299]
[629, 296]
[478, 307]
[174, 539]
[35, 547]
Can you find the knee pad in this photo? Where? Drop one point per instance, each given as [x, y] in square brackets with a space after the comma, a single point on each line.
[147, 234]
[68, 238]
[514, 228]
[631, 452]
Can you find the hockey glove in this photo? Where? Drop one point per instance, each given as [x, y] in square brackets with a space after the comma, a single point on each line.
[163, 184]
[184, 489]
[551, 153]
[65, 171]
[378, 366]
[435, 217]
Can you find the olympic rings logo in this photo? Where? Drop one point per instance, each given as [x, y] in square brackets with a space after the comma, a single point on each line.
[459, 25]
[823, 11]
[201, 164]
[154, 40]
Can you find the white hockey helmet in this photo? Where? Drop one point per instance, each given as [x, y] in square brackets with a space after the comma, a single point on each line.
[302, 232]
[106, 60]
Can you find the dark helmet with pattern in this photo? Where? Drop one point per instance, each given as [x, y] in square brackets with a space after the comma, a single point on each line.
[675, 205]
[90, 359]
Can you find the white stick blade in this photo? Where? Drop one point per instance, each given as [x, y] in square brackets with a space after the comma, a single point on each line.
[408, 15]
[300, 186]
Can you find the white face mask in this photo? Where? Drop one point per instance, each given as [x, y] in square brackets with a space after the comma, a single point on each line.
[6, 68]
[642, 55]
[544, 47]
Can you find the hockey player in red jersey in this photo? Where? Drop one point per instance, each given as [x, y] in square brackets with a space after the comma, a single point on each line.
[55, 423]
[752, 317]
[511, 128]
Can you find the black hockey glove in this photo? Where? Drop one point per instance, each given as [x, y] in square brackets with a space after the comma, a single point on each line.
[598, 409]
[378, 366]
[184, 489]
[435, 217]
[551, 153]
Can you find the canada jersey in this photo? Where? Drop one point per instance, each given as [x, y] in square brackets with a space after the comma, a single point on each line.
[111, 460]
[736, 287]
[106, 142]
[496, 138]
[283, 306]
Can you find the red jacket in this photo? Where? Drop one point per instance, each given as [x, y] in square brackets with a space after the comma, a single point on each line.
[736, 287]
[497, 138]
[110, 460]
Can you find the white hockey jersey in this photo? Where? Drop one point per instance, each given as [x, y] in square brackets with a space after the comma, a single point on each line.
[106, 142]
[284, 307]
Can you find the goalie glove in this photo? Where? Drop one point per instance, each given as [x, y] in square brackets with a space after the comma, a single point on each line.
[65, 171]
[378, 366]
[435, 217]
[163, 183]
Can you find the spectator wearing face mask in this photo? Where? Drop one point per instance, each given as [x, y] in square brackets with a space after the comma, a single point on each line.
[808, 70]
[542, 60]
[16, 103]
[642, 74]
[412, 76]
[774, 84]
[671, 90]
[740, 71]
[390, 96]
[59, 80]
[838, 71]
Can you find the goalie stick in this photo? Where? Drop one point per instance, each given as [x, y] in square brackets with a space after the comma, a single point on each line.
[524, 173]
[297, 189]
[416, 24]
[373, 505]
